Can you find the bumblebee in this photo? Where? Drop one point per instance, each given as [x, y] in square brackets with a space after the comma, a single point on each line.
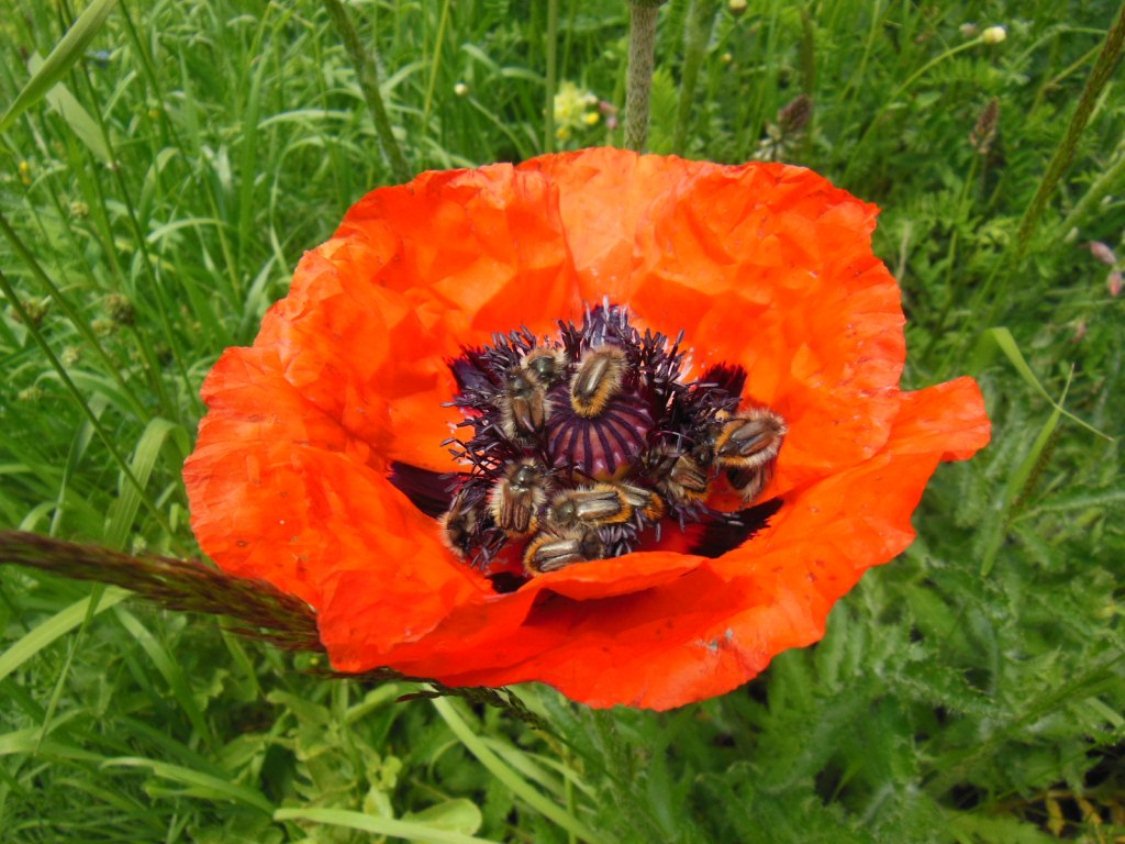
[747, 447]
[459, 525]
[515, 499]
[523, 405]
[750, 482]
[643, 501]
[601, 504]
[549, 552]
[597, 380]
[547, 366]
[683, 478]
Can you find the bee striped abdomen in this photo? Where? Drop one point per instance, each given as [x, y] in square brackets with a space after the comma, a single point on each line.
[746, 442]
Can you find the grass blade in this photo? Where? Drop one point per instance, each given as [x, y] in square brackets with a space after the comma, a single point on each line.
[55, 627]
[1015, 489]
[124, 510]
[69, 50]
[1007, 344]
[199, 784]
[495, 766]
[168, 668]
[70, 110]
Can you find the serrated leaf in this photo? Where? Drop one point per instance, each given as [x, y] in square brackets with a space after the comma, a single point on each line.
[942, 686]
[974, 828]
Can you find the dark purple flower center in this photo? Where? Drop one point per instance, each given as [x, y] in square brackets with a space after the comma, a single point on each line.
[582, 445]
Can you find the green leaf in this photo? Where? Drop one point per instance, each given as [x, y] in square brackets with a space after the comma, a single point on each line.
[409, 830]
[69, 50]
[1015, 487]
[79, 120]
[457, 815]
[168, 667]
[522, 789]
[124, 510]
[30, 740]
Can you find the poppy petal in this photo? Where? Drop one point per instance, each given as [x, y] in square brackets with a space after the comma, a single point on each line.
[484, 242]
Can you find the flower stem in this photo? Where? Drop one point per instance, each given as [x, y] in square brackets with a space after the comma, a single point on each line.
[552, 74]
[642, 50]
[697, 29]
[368, 77]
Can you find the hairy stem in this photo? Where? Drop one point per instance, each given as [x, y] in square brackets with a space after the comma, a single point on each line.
[1115, 175]
[990, 295]
[642, 51]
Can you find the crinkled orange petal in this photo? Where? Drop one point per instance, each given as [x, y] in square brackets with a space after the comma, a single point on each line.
[769, 266]
[764, 265]
[486, 242]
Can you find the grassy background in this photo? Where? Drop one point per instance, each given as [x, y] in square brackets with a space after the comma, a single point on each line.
[156, 202]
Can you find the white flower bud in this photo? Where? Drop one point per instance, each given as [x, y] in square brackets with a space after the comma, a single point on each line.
[994, 35]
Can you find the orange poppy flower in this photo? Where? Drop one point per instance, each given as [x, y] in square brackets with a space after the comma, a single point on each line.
[303, 471]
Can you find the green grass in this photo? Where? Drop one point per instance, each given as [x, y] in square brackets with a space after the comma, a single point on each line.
[157, 200]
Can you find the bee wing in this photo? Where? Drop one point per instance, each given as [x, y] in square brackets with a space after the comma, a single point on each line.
[601, 505]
